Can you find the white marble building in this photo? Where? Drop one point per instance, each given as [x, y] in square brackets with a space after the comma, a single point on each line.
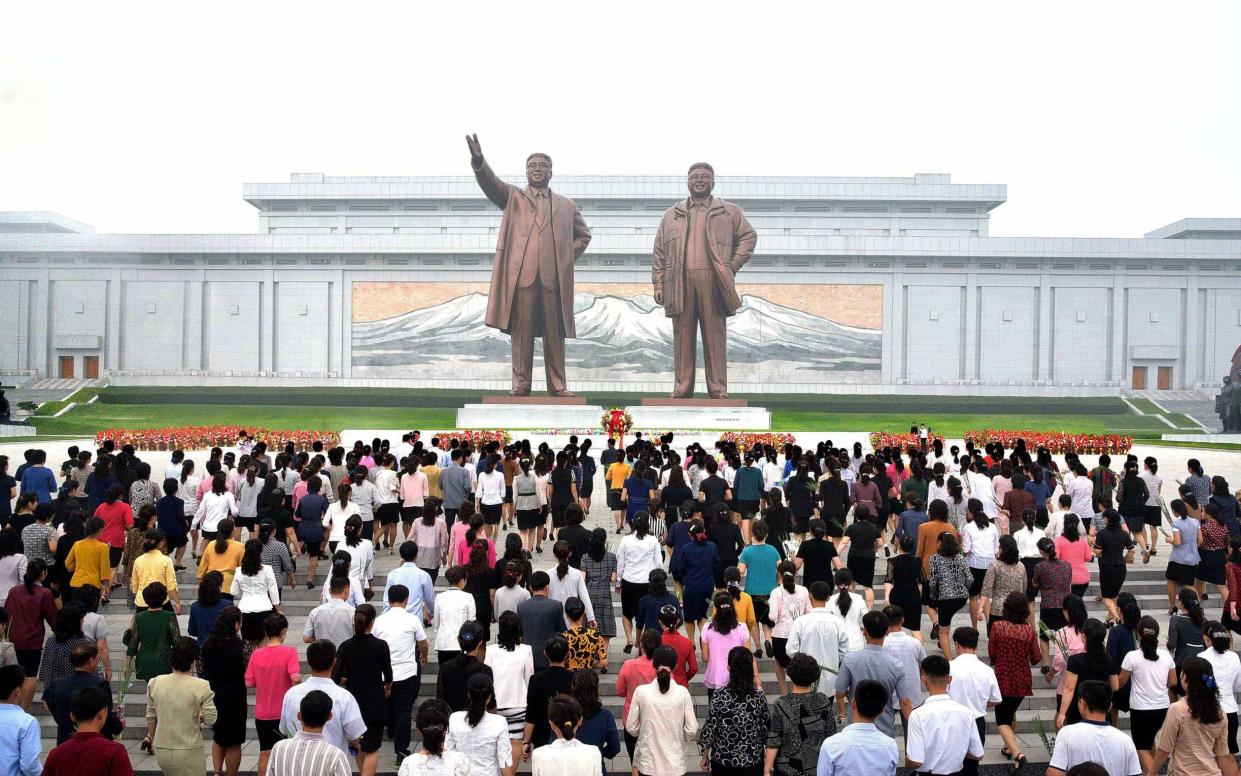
[879, 285]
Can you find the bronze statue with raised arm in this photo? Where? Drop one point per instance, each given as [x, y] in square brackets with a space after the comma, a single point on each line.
[542, 235]
[701, 244]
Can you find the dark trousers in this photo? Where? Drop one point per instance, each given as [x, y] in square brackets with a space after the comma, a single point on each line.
[401, 711]
[450, 517]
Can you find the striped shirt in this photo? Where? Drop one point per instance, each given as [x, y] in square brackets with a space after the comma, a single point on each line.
[276, 554]
[307, 754]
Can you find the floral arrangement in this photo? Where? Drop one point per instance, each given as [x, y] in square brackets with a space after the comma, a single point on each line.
[1056, 442]
[475, 438]
[204, 437]
[748, 440]
[882, 439]
[616, 422]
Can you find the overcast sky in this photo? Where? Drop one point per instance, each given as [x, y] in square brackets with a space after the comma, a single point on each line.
[1104, 119]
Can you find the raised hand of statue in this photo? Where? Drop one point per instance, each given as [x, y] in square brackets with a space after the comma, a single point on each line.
[476, 150]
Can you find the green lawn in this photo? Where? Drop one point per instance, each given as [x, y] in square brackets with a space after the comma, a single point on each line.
[334, 409]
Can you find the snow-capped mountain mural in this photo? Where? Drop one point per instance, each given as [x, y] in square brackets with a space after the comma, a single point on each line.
[618, 338]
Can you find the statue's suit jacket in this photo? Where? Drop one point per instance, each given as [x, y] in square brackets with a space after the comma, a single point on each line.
[569, 233]
[730, 239]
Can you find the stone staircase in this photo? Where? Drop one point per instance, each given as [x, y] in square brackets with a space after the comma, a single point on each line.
[1145, 581]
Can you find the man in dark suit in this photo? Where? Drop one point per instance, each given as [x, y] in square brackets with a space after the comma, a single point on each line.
[85, 660]
[541, 616]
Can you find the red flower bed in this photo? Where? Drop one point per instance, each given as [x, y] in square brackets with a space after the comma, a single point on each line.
[1056, 442]
[476, 438]
[882, 439]
[748, 440]
[204, 437]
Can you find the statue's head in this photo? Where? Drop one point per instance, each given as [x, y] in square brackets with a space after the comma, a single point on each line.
[701, 179]
[538, 170]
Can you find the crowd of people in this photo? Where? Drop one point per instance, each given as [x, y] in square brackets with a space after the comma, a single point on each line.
[725, 556]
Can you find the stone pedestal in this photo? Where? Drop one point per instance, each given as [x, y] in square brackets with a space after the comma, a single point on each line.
[530, 412]
[715, 414]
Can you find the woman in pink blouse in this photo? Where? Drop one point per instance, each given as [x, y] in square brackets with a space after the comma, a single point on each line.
[1073, 548]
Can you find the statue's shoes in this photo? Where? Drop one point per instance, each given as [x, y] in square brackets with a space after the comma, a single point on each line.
[564, 394]
[519, 392]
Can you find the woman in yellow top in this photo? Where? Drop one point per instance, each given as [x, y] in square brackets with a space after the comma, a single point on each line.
[615, 475]
[743, 604]
[222, 555]
[88, 560]
[154, 566]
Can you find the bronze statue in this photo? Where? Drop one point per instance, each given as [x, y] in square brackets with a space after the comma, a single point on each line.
[542, 234]
[1228, 401]
[701, 244]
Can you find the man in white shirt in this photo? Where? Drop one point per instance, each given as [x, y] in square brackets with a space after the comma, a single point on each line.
[974, 685]
[942, 734]
[404, 449]
[1093, 740]
[407, 647]
[908, 651]
[346, 726]
[453, 609]
[818, 633]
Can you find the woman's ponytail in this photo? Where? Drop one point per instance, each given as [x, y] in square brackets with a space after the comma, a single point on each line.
[788, 575]
[665, 660]
[224, 532]
[1148, 638]
[844, 601]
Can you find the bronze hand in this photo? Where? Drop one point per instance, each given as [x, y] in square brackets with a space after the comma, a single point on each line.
[476, 150]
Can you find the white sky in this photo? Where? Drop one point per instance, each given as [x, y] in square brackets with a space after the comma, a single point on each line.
[1104, 119]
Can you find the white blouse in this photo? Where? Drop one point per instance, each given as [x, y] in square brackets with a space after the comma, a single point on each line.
[362, 565]
[572, 586]
[512, 672]
[980, 545]
[637, 558]
[213, 508]
[486, 746]
[188, 492]
[981, 488]
[563, 757]
[491, 488]
[258, 593]
[334, 521]
[1027, 542]
[852, 621]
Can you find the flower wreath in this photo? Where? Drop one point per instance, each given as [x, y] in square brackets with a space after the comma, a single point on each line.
[616, 422]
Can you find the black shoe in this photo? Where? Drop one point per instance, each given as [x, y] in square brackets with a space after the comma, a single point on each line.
[1205, 596]
[935, 633]
[400, 757]
[628, 649]
[771, 652]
